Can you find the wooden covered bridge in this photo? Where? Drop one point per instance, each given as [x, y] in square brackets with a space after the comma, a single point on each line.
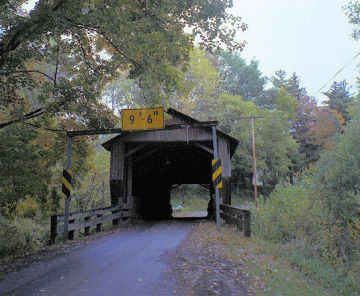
[146, 165]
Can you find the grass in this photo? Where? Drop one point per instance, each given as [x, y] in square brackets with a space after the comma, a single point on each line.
[270, 271]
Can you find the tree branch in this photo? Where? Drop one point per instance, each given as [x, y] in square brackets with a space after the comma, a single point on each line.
[33, 114]
[31, 71]
[23, 30]
[107, 38]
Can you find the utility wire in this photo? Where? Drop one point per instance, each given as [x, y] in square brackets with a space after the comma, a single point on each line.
[339, 71]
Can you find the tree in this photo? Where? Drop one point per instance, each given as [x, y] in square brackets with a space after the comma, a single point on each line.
[201, 86]
[24, 173]
[239, 78]
[338, 181]
[32, 160]
[86, 44]
[328, 123]
[339, 98]
[305, 118]
[274, 142]
[291, 84]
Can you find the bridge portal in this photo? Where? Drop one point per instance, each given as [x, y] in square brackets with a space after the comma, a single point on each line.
[145, 165]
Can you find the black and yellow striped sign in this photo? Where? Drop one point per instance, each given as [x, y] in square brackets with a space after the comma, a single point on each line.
[216, 173]
[66, 183]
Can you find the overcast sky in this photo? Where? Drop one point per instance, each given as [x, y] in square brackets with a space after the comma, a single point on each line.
[309, 37]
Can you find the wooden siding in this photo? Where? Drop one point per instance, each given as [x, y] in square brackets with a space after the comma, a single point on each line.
[224, 155]
[117, 161]
[169, 135]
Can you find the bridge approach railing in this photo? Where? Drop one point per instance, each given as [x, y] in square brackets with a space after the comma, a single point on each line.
[85, 220]
[239, 217]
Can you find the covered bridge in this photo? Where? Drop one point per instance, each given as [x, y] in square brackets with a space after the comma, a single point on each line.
[146, 165]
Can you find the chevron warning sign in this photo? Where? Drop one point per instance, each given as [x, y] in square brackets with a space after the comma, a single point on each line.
[216, 173]
[66, 183]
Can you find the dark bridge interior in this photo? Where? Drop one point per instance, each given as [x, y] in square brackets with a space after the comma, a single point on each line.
[154, 176]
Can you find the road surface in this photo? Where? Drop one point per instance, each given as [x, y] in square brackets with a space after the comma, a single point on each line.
[129, 262]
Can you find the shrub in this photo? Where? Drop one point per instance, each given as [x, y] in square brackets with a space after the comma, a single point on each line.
[27, 208]
[289, 213]
[21, 236]
[338, 179]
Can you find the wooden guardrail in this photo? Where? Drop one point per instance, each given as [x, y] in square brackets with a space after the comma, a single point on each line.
[240, 217]
[86, 220]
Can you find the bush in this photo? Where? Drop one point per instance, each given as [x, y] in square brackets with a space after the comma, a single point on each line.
[27, 208]
[21, 236]
[289, 213]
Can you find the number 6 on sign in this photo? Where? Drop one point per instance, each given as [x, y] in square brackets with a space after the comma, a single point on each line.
[142, 119]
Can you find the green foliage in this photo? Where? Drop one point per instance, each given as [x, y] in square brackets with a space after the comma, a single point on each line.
[325, 274]
[289, 213]
[27, 208]
[21, 236]
[94, 190]
[339, 98]
[338, 178]
[77, 47]
[239, 78]
[274, 142]
[286, 104]
[32, 161]
[22, 173]
[308, 151]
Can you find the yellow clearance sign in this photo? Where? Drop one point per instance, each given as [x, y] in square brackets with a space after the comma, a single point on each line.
[142, 119]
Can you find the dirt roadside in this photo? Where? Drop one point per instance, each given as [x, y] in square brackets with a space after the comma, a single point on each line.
[201, 267]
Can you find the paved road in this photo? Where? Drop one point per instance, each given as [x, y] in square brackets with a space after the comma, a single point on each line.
[129, 262]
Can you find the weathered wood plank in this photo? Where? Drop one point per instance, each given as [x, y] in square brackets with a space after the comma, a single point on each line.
[134, 150]
[205, 148]
[229, 219]
[224, 155]
[181, 134]
[129, 179]
[92, 222]
[117, 161]
[232, 210]
[240, 217]
[77, 215]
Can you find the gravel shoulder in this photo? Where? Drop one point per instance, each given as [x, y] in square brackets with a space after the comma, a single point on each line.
[202, 268]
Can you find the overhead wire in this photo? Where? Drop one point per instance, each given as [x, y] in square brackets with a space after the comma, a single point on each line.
[339, 71]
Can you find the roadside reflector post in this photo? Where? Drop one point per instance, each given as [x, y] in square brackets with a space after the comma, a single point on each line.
[217, 184]
[67, 176]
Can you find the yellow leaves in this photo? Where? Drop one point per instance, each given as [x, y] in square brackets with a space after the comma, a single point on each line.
[44, 139]
[27, 208]
[338, 115]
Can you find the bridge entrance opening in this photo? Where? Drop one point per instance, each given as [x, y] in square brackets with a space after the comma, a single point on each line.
[190, 200]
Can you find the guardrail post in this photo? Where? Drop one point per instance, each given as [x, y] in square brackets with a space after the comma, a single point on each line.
[53, 229]
[115, 222]
[240, 224]
[87, 228]
[71, 232]
[247, 222]
[98, 226]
